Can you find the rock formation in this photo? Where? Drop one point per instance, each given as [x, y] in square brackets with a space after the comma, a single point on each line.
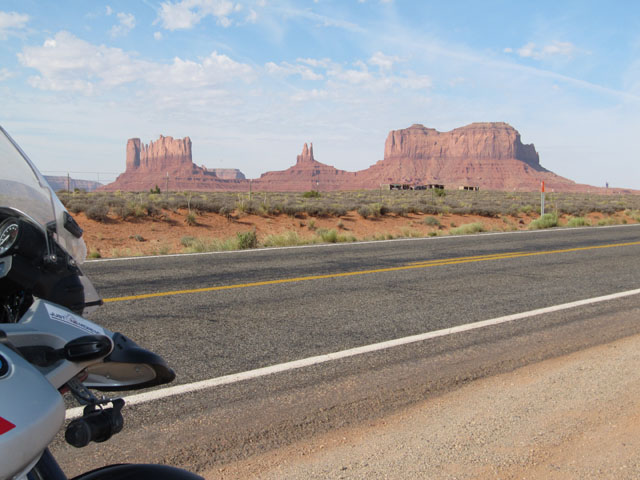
[226, 173]
[168, 163]
[62, 183]
[165, 154]
[307, 174]
[487, 155]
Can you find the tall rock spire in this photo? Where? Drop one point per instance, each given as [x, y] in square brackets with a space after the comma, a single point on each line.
[307, 154]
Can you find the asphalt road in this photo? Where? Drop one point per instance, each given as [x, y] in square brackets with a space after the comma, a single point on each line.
[265, 307]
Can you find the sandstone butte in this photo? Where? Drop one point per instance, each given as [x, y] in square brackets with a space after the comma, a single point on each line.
[487, 155]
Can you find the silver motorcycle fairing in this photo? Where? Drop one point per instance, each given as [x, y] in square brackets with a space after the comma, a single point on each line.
[46, 324]
[31, 411]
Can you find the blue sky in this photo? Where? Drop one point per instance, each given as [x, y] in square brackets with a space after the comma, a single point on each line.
[251, 80]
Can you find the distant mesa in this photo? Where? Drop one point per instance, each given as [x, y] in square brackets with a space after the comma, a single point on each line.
[66, 183]
[487, 155]
[168, 164]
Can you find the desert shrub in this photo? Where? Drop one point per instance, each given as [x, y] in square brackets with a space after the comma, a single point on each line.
[226, 212]
[461, 210]
[337, 210]
[346, 238]
[607, 221]
[578, 222]
[548, 220]
[291, 209]
[439, 192]
[151, 210]
[187, 241]
[208, 205]
[364, 211]
[98, 212]
[607, 209]
[245, 206]
[431, 209]
[379, 210]
[399, 210]
[190, 219]
[311, 194]
[431, 221]
[328, 236]
[247, 240]
[411, 233]
[288, 239]
[314, 210]
[469, 228]
[77, 205]
[526, 209]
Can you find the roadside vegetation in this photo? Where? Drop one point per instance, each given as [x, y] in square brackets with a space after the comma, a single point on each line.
[369, 203]
[511, 210]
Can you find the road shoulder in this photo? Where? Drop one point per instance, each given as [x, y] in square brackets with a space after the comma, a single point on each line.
[575, 416]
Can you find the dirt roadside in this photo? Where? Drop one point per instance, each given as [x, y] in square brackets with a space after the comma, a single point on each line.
[166, 233]
[573, 417]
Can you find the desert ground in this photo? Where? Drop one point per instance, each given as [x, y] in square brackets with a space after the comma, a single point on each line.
[170, 233]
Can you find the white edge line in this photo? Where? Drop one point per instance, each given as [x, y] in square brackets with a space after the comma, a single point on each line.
[375, 347]
[348, 244]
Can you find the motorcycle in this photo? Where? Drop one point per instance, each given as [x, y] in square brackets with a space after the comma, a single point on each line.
[47, 346]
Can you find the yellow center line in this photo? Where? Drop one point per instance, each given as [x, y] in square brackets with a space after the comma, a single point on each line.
[478, 257]
[424, 264]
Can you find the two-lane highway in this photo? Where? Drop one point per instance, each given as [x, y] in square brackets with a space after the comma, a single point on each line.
[218, 314]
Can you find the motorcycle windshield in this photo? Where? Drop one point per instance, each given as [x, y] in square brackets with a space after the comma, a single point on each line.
[23, 188]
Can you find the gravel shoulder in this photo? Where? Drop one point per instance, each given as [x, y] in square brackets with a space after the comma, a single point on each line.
[572, 417]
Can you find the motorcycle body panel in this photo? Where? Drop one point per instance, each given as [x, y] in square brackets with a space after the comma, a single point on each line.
[32, 412]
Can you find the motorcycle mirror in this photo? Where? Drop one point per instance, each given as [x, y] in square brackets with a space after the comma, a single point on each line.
[89, 347]
[129, 367]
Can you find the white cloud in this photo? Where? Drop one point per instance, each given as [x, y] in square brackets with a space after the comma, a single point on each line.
[67, 63]
[127, 22]
[108, 10]
[307, 95]
[213, 71]
[323, 20]
[287, 69]
[413, 81]
[252, 16]
[157, 35]
[10, 22]
[5, 74]
[554, 49]
[188, 13]
[352, 76]
[358, 74]
[314, 62]
[382, 61]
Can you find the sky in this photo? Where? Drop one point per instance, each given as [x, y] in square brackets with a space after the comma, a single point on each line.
[250, 81]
